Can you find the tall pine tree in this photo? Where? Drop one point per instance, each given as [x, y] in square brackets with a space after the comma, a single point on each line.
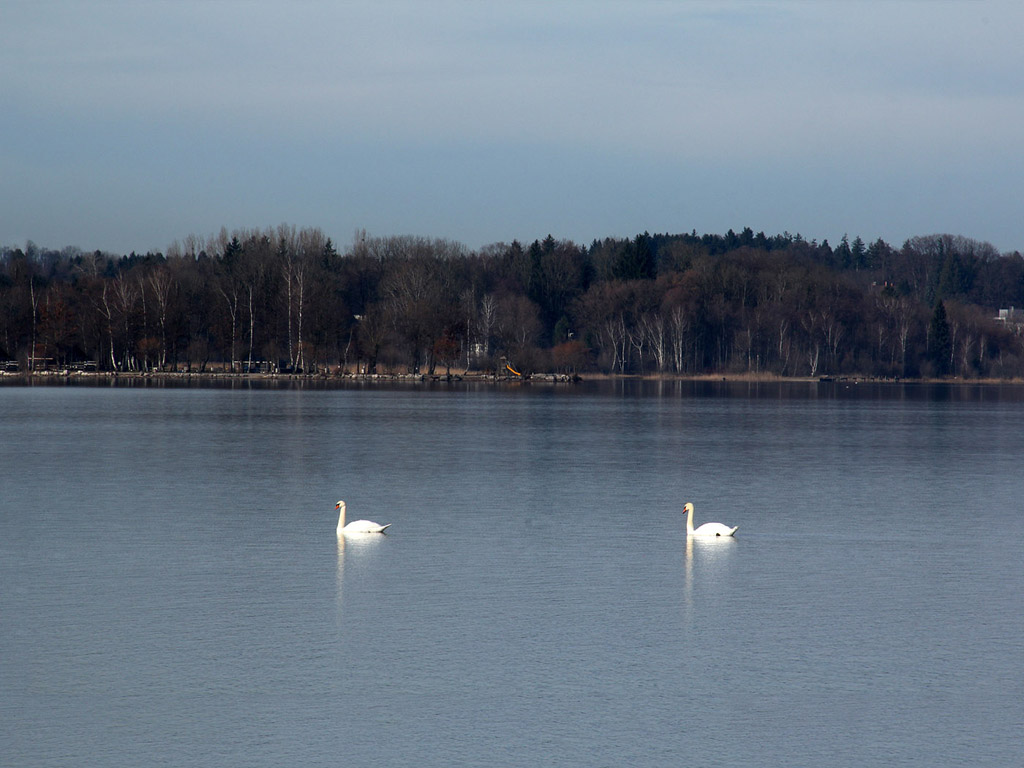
[940, 345]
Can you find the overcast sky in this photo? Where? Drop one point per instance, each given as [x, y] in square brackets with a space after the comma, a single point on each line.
[128, 124]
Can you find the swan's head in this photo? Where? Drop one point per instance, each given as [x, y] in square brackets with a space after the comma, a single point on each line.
[688, 508]
[340, 505]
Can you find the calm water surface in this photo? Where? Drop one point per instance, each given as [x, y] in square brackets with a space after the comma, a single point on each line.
[173, 592]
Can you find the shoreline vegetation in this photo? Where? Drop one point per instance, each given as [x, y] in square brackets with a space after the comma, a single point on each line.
[337, 376]
[742, 306]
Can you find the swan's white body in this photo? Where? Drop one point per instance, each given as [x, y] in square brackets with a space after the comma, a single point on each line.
[357, 526]
[708, 530]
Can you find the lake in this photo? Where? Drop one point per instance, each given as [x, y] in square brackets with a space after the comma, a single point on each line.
[174, 592]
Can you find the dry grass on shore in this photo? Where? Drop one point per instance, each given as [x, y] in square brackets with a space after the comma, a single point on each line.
[482, 376]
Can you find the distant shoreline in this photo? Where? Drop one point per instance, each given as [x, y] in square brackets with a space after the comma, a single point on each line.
[61, 376]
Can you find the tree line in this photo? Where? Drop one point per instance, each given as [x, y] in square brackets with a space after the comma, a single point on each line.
[285, 299]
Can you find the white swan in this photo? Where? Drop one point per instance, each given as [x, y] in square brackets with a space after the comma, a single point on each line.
[708, 529]
[357, 526]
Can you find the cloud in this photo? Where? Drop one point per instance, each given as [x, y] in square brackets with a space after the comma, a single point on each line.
[905, 91]
[604, 72]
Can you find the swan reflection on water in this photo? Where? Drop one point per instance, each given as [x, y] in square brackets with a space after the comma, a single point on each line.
[712, 552]
[355, 545]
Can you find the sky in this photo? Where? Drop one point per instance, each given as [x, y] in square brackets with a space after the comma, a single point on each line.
[127, 125]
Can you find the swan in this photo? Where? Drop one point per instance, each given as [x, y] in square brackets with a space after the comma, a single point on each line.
[708, 529]
[357, 526]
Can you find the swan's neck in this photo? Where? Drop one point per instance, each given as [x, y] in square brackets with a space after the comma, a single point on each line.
[341, 517]
[689, 521]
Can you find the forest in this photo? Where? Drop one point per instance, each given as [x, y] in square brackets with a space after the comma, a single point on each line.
[284, 299]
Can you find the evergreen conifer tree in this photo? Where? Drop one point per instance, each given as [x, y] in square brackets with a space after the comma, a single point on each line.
[940, 345]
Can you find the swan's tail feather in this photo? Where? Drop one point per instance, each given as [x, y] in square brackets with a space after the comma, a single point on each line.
[385, 527]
